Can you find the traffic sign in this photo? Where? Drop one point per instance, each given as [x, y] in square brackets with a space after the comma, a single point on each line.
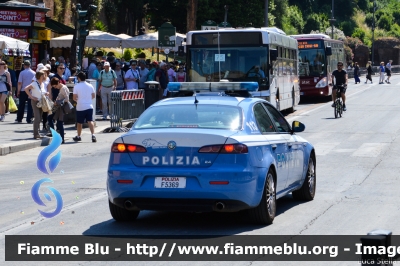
[209, 25]
[166, 35]
[222, 25]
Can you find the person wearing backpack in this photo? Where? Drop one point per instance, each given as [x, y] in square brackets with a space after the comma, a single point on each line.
[120, 76]
[132, 77]
[107, 84]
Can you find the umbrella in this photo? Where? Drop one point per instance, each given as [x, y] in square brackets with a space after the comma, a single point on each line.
[13, 47]
[149, 40]
[95, 38]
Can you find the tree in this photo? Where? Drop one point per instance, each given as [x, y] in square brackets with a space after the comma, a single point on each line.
[191, 15]
[316, 22]
[385, 22]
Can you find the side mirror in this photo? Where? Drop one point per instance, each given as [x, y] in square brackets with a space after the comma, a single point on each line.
[328, 50]
[273, 53]
[298, 127]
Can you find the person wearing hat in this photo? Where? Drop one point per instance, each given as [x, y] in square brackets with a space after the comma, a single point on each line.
[25, 79]
[151, 76]
[53, 68]
[388, 71]
[107, 84]
[132, 77]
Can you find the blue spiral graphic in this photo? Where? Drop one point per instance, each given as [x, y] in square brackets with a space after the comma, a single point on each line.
[45, 153]
[36, 198]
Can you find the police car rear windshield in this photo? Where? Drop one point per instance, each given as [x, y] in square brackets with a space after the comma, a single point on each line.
[191, 116]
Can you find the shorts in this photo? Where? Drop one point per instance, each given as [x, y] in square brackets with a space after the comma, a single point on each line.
[340, 89]
[5, 92]
[388, 73]
[81, 116]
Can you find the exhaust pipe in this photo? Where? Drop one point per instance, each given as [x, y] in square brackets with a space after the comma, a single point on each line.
[128, 204]
[220, 206]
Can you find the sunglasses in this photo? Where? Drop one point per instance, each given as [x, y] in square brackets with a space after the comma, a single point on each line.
[2, 64]
[61, 67]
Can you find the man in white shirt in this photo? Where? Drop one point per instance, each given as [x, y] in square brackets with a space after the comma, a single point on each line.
[83, 95]
[25, 79]
[132, 77]
[171, 73]
[143, 71]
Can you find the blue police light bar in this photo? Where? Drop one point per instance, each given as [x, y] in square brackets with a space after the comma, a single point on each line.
[212, 86]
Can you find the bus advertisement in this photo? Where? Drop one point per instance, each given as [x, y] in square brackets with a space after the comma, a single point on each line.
[318, 56]
[263, 55]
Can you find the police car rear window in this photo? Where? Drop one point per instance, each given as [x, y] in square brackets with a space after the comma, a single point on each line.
[191, 116]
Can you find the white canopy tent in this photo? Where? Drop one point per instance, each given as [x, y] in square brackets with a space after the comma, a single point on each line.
[149, 40]
[94, 39]
[11, 46]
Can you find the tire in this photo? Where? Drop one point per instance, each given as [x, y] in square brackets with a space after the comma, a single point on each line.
[291, 109]
[278, 106]
[307, 190]
[265, 212]
[335, 110]
[122, 215]
[340, 111]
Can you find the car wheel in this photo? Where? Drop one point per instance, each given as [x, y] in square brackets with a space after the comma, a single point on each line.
[122, 215]
[265, 212]
[307, 190]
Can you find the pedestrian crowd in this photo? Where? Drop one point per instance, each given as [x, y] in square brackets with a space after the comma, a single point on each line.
[45, 95]
[382, 71]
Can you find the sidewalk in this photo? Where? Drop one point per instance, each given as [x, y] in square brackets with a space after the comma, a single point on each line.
[15, 137]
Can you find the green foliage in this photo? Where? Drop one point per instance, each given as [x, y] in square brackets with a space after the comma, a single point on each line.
[293, 23]
[359, 33]
[395, 31]
[317, 22]
[353, 42]
[385, 22]
[348, 53]
[99, 25]
[369, 19]
[128, 55]
[396, 16]
[348, 27]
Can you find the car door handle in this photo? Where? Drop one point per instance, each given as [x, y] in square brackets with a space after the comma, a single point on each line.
[290, 145]
[273, 146]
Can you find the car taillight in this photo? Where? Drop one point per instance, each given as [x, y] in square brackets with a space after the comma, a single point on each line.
[120, 148]
[227, 148]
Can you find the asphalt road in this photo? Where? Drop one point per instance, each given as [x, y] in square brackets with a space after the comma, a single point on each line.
[357, 184]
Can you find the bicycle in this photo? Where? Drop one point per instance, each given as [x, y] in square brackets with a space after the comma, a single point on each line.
[338, 108]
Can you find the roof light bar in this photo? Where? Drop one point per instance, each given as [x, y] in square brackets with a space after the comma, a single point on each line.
[212, 86]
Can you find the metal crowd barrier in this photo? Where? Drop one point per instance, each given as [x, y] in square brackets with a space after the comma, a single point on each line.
[126, 105]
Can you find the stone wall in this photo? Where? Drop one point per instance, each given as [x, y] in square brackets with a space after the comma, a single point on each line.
[386, 49]
[361, 55]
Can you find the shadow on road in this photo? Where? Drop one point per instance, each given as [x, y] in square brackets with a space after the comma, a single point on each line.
[186, 223]
[313, 99]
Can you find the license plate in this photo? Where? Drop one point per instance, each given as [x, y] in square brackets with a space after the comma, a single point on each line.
[301, 93]
[170, 182]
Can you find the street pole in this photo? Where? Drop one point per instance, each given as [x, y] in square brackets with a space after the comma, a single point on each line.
[266, 14]
[333, 17]
[226, 15]
[373, 30]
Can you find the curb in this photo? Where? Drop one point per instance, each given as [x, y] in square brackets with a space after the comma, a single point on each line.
[23, 145]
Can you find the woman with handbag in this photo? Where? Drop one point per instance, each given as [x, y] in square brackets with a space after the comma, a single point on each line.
[357, 73]
[5, 88]
[61, 105]
[35, 92]
[369, 72]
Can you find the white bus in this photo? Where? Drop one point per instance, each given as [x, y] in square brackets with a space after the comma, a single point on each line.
[265, 55]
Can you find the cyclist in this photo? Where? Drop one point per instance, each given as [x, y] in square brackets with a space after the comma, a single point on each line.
[341, 79]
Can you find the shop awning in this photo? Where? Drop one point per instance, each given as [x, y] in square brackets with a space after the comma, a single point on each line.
[58, 27]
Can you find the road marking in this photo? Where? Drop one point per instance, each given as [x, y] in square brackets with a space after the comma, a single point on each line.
[370, 149]
[27, 223]
[323, 148]
[290, 119]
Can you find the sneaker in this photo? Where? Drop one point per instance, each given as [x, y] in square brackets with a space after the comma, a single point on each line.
[388, 82]
[94, 138]
[104, 118]
[344, 107]
[333, 105]
[7, 113]
[63, 142]
[77, 138]
[365, 82]
[2, 118]
[49, 135]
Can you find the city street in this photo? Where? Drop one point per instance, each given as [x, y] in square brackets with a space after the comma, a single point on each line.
[357, 184]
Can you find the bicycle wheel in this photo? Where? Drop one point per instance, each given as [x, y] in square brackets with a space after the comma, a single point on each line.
[340, 108]
[336, 109]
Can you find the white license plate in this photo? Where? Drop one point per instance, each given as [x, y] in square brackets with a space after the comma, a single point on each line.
[301, 93]
[170, 182]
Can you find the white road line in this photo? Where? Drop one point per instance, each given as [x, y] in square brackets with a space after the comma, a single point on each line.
[370, 150]
[290, 119]
[27, 223]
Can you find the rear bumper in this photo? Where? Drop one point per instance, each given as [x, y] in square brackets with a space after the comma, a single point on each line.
[166, 204]
[243, 191]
